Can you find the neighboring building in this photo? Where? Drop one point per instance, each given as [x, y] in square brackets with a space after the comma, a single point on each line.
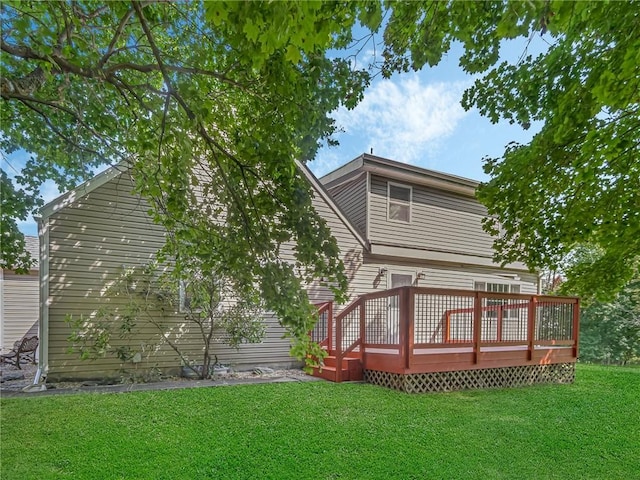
[395, 225]
[19, 299]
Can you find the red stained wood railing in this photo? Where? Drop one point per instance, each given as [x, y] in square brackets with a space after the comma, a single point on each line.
[445, 329]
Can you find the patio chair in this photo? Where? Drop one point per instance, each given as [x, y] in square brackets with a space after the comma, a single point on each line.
[24, 349]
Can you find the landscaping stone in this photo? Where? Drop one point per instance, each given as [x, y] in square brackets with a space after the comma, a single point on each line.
[10, 376]
[263, 371]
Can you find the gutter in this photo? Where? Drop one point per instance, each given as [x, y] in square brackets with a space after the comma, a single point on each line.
[43, 325]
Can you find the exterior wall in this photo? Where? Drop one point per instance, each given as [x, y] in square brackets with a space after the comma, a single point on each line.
[94, 236]
[436, 275]
[19, 300]
[440, 221]
[91, 239]
[352, 200]
[89, 243]
[18, 306]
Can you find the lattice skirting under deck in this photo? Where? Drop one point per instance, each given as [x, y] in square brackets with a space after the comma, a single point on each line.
[474, 379]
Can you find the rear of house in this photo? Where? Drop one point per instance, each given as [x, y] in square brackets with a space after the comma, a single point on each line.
[444, 316]
[422, 228]
[396, 225]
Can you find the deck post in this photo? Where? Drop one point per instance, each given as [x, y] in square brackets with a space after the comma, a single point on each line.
[576, 326]
[477, 322]
[531, 326]
[403, 325]
[338, 350]
[410, 325]
[330, 321]
[362, 332]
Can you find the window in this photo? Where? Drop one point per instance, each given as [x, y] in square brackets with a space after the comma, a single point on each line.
[193, 291]
[499, 288]
[399, 202]
[185, 297]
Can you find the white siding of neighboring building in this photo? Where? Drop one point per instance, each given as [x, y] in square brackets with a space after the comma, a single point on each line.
[19, 307]
[19, 297]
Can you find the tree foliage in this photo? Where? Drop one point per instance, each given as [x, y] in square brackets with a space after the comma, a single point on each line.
[200, 101]
[146, 298]
[609, 330]
[578, 180]
[218, 99]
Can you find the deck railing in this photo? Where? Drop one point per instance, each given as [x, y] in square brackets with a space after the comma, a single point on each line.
[416, 329]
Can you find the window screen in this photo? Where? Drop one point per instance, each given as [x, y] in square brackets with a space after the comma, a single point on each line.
[399, 207]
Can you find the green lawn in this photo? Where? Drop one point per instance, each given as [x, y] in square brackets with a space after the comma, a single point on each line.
[321, 430]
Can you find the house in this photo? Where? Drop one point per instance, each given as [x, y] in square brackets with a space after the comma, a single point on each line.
[19, 300]
[421, 228]
[396, 225]
[444, 316]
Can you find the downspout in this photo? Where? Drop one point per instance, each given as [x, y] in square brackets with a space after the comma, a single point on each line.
[43, 325]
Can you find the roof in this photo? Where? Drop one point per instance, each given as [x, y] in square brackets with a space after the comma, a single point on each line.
[32, 245]
[402, 172]
[82, 190]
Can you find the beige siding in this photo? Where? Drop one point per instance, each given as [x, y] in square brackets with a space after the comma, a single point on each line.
[352, 200]
[439, 221]
[89, 243]
[91, 239]
[19, 306]
[444, 275]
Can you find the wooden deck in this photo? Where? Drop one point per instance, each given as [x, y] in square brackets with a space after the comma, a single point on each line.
[410, 331]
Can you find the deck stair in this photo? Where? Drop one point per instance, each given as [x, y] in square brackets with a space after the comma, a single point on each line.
[350, 371]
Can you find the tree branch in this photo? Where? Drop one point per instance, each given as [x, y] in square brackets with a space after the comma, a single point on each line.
[60, 134]
[115, 38]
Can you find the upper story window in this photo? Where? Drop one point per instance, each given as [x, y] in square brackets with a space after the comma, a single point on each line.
[399, 202]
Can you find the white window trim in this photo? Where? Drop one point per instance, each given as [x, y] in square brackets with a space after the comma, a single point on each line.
[511, 286]
[393, 271]
[182, 296]
[401, 202]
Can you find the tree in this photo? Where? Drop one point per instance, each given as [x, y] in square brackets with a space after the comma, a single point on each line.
[240, 90]
[578, 181]
[609, 330]
[149, 298]
[197, 101]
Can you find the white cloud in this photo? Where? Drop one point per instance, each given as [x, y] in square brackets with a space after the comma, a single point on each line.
[403, 119]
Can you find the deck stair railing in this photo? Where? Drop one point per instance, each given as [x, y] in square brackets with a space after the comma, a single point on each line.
[416, 329]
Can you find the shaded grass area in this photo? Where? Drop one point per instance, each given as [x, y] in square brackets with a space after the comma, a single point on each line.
[321, 430]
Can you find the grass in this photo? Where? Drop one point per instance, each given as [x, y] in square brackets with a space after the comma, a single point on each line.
[321, 430]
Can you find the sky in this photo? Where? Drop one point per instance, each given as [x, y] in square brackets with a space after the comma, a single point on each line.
[415, 118]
